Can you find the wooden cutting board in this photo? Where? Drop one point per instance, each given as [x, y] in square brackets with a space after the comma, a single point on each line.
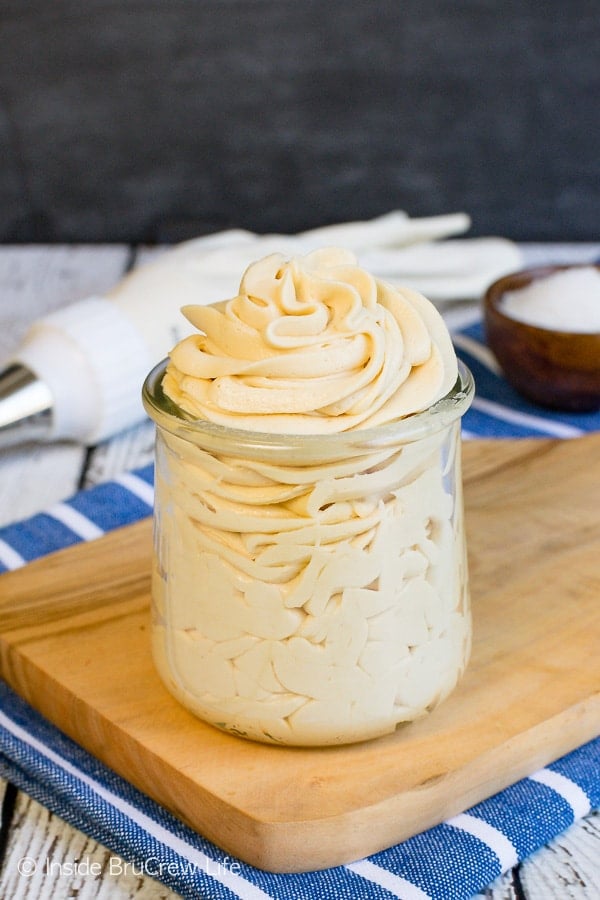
[74, 642]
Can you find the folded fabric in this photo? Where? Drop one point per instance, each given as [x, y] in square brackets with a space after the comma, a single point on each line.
[451, 861]
[497, 410]
[413, 252]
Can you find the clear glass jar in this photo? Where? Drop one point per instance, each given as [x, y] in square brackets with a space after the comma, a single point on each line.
[310, 590]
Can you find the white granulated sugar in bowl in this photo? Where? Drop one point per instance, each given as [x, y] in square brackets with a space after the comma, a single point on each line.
[567, 300]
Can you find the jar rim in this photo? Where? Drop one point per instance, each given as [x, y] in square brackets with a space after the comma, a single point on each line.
[168, 416]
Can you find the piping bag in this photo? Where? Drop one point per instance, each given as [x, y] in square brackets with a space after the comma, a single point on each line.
[78, 373]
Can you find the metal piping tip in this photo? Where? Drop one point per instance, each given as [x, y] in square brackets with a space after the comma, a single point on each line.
[25, 407]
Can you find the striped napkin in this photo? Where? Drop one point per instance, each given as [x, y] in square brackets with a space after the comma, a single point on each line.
[452, 861]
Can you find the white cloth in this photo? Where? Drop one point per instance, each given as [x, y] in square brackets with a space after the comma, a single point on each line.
[413, 252]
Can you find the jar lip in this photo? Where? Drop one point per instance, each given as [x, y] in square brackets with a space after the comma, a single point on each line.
[167, 415]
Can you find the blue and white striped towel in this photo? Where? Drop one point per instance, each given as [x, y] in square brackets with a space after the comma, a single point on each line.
[451, 861]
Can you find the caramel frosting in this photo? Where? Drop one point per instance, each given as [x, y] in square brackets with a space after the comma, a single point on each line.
[310, 606]
[310, 599]
[311, 345]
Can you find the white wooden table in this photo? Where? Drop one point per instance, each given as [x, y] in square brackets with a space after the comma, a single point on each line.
[34, 280]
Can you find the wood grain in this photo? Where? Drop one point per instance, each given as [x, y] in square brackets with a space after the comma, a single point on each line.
[65, 864]
[567, 867]
[554, 368]
[74, 643]
[34, 281]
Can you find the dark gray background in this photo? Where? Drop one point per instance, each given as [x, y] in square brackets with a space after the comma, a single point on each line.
[162, 120]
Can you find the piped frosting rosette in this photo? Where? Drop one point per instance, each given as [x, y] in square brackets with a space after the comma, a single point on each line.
[312, 345]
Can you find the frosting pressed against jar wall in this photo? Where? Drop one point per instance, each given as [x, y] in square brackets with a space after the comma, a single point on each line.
[308, 589]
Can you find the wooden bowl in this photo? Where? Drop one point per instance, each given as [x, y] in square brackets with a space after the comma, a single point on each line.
[556, 369]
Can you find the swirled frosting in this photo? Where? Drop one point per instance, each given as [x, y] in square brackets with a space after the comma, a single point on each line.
[313, 344]
[310, 600]
[310, 605]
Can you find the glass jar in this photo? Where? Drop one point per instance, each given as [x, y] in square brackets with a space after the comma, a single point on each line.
[310, 590]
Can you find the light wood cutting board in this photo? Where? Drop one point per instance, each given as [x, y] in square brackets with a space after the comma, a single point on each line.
[74, 642]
